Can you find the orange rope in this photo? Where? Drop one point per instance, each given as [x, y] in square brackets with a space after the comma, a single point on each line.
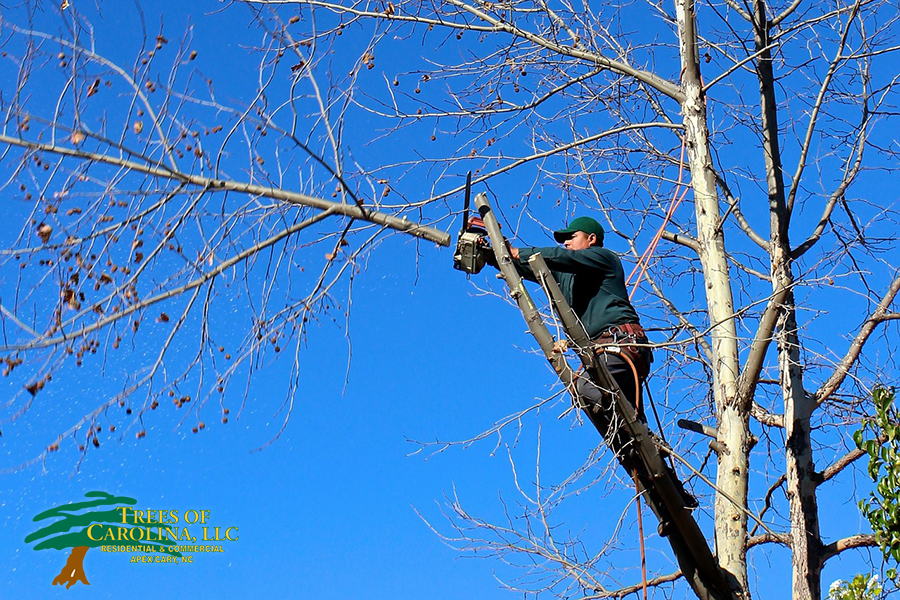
[644, 261]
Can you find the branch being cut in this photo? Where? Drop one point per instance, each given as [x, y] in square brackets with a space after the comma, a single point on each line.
[213, 185]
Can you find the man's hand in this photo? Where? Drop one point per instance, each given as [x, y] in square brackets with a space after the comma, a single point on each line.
[514, 252]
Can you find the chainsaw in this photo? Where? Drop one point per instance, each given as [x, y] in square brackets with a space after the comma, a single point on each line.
[472, 245]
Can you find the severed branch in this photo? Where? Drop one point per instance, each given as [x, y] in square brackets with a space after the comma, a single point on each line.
[764, 416]
[684, 240]
[769, 538]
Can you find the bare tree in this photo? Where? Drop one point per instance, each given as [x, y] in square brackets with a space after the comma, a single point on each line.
[145, 208]
[775, 117]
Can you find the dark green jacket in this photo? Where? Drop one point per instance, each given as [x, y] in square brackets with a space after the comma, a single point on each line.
[592, 281]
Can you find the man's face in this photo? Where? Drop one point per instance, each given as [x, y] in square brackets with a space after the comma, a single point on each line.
[580, 240]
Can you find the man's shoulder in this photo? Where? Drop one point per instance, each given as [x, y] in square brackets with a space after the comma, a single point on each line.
[603, 254]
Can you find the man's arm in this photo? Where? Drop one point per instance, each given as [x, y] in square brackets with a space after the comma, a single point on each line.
[522, 267]
[571, 261]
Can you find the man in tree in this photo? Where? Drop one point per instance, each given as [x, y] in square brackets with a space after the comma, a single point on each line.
[593, 283]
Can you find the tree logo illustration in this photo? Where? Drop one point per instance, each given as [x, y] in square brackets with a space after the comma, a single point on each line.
[72, 531]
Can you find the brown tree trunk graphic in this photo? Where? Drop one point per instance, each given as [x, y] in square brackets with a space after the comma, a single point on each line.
[73, 572]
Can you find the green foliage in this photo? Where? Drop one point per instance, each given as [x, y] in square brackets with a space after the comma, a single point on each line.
[880, 439]
[861, 587]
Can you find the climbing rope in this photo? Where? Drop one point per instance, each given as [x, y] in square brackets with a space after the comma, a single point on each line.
[644, 262]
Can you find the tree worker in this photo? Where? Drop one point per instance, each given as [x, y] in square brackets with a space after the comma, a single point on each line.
[593, 283]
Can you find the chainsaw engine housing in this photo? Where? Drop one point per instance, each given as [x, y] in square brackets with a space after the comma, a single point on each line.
[470, 252]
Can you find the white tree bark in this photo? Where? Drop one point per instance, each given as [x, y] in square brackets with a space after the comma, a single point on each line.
[731, 522]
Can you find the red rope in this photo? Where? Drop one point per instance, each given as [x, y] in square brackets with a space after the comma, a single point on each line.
[644, 261]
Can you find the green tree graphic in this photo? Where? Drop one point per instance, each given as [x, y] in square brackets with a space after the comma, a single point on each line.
[78, 516]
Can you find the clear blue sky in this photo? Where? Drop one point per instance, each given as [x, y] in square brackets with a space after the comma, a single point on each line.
[337, 506]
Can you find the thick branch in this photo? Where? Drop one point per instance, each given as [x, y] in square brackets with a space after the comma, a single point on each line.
[684, 240]
[769, 538]
[840, 464]
[497, 25]
[879, 316]
[631, 589]
[862, 540]
[786, 13]
[350, 210]
[765, 417]
[739, 10]
[750, 375]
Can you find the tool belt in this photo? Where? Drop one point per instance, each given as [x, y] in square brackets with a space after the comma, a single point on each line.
[624, 336]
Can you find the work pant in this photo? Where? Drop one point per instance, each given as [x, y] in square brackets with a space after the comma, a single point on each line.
[599, 408]
[598, 403]
[623, 374]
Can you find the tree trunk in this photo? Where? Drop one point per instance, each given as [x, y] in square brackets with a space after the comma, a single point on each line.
[806, 544]
[731, 521]
[73, 572]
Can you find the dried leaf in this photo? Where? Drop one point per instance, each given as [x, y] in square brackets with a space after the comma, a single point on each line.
[138, 127]
[44, 232]
[77, 137]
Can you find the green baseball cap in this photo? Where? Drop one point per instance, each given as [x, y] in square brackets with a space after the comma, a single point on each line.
[585, 224]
